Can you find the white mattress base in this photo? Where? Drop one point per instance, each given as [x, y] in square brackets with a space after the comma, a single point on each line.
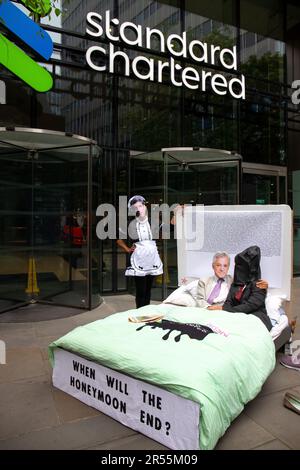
[139, 405]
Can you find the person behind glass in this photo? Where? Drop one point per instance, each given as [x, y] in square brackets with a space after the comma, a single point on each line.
[144, 260]
[244, 296]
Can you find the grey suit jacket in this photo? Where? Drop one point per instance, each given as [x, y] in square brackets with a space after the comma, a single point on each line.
[205, 287]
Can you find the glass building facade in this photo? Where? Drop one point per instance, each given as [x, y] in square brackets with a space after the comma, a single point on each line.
[127, 116]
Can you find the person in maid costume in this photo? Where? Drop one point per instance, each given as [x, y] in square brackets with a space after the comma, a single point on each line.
[144, 260]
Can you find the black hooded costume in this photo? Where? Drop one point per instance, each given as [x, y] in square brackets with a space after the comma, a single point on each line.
[243, 295]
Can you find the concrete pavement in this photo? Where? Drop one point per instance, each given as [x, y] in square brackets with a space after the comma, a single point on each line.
[35, 415]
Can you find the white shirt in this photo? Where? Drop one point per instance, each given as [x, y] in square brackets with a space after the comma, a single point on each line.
[143, 229]
[225, 286]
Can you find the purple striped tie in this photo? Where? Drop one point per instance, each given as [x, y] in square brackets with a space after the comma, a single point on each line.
[215, 292]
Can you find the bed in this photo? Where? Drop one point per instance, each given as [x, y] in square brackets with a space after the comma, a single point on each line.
[181, 380]
[185, 296]
[180, 387]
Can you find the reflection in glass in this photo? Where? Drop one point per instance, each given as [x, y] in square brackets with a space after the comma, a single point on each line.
[148, 114]
[296, 209]
[45, 209]
[259, 189]
[263, 63]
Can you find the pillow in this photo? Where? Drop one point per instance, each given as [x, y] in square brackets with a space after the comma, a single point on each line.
[191, 288]
[184, 299]
[174, 294]
[273, 307]
[185, 295]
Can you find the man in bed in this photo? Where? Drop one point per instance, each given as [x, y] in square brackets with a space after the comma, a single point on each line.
[212, 291]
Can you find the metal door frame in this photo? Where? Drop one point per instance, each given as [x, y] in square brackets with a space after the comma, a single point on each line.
[267, 170]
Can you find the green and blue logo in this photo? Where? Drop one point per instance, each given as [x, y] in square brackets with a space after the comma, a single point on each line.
[13, 58]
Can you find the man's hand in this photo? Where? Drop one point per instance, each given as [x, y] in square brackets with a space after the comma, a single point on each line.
[262, 284]
[215, 307]
[131, 249]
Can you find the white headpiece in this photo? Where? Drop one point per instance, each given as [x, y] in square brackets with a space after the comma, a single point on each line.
[135, 199]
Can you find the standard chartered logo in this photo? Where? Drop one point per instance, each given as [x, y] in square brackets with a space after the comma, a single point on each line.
[31, 34]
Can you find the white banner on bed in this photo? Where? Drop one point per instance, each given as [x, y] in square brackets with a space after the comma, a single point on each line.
[157, 413]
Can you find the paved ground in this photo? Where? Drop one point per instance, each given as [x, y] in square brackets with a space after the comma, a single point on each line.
[34, 415]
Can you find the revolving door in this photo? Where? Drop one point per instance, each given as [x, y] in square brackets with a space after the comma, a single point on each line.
[49, 252]
[184, 176]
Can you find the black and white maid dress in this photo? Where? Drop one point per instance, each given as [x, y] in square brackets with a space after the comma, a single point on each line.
[144, 260]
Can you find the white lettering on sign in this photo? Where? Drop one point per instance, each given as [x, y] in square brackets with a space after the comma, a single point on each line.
[153, 411]
[101, 58]
[296, 93]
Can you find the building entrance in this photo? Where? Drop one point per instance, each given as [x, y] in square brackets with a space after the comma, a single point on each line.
[184, 176]
[49, 251]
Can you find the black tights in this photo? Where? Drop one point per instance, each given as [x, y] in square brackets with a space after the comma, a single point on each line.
[143, 286]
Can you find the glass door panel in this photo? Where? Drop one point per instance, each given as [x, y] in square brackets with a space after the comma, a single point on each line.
[183, 176]
[49, 192]
[147, 179]
[207, 183]
[260, 189]
[97, 266]
[15, 227]
[282, 190]
[147, 176]
[203, 183]
[60, 187]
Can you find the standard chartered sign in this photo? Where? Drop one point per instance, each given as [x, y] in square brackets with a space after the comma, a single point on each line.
[161, 70]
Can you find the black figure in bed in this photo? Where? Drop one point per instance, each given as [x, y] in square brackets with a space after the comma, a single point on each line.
[243, 295]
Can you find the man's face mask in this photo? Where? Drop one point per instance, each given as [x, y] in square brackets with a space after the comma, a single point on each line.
[139, 209]
[136, 206]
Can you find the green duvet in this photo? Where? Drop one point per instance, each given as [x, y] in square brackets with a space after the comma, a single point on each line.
[221, 372]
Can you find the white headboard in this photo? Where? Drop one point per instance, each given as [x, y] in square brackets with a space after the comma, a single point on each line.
[204, 230]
